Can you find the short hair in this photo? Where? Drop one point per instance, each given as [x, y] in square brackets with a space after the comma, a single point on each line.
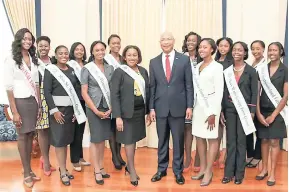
[245, 47]
[212, 43]
[91, 49]
[53, 59]
[112, 36]
[72, 49]
[43, 38]
[184, 47]
[229, 54]
[280, 46]
[258, 41]
[132, 47]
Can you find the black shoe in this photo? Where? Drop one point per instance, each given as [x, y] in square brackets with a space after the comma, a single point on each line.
[105, 176]
[238, 181]
[99, 182]
[271, 183]
[117, 166]
[158, 176]
[226, 180]
[66, 183]
[251, 165]
[198, 177]
[122, 162]
[126, 171]
[261, 177]
[69, 175]
[134, 183]
[180, 179]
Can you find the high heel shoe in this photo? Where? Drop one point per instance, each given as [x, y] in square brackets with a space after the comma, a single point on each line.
[117, 166]
[134, 183]
[99, 182]
[105, 176]
[203, 184]
[185, 170]
[198, 177]
[126, 171]
[66, 183]
[34, 177]
[47, 173]
[28, 182]
[261, 177]
[251, 165]
[197, 169]
[69, 175]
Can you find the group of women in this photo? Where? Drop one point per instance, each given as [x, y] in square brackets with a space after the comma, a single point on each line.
[57, 95]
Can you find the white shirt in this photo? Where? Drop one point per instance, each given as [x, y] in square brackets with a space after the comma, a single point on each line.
[15, 79]
[171, 58]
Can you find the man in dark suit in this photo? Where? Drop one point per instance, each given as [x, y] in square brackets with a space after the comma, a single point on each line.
[171, 102]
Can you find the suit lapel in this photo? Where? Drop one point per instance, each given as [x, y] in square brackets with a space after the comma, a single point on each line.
[278, 72]
[174, 65]
[244, 75]
[161, 68]
[106, 71]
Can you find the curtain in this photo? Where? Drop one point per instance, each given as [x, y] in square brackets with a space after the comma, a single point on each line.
[21, 14]
[201, 16]
[137, 23]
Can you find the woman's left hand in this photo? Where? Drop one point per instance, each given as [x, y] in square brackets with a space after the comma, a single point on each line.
[270, 119]
[148, 120]
[39, 115]
[107, 114]
[211, 122]
[73, 119]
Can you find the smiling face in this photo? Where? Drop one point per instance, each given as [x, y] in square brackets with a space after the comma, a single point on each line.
[205, 49]
[62, 55]
[274, 52]
[257, 50]
[131, 57]
[224, 47]
[98, 51]
[192, 42]
[238, 52]
[26, 41]
[114, 44]
[43, 48]
[79, 52]
[167, 42]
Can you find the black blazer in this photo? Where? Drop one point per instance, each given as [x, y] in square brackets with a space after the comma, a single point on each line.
[227, 62]
[248, 85]
[122, 93]
[279, 78]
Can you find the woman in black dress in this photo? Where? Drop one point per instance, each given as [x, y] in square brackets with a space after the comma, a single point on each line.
[61, 119]
[271, 125]
[130, 98]
[223, 56]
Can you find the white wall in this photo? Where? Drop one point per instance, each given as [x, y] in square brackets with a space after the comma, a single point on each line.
[6, 39]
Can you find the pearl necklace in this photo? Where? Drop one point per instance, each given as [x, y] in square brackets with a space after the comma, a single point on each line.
[238, 70]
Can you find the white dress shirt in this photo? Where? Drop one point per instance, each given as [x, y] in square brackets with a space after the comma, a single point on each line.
[171, 58]
[15, 79]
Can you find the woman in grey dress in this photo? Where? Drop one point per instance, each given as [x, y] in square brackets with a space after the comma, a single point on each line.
[97, 109]
[130, 105]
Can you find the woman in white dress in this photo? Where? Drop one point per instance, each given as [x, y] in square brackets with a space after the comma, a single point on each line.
[209, 85]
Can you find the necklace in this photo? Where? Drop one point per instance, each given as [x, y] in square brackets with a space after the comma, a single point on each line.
[238, 70]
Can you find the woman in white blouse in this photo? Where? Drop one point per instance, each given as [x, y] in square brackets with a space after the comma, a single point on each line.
[208, 84]
[22, 85]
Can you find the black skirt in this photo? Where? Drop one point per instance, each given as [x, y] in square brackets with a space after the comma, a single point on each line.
[62, 135]
[276, 130]
[134, 128]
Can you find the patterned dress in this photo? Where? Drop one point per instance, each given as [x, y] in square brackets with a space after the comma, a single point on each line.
[7, 128]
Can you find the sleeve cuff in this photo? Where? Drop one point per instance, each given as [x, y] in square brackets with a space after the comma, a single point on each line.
[54, 110]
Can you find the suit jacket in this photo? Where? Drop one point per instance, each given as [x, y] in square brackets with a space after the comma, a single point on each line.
[248, 85]
[175, 96]
[227, 62]
[122, 93]
[94, 90]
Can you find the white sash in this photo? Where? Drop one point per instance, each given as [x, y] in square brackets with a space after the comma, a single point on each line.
[140, 81]
[41, 67]
[27, 73]
[239, 101]
[112, 61]
[67, 85]
[199, 93]
[260, 64]
[76, 67]
[271, 91]
[101, 80]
